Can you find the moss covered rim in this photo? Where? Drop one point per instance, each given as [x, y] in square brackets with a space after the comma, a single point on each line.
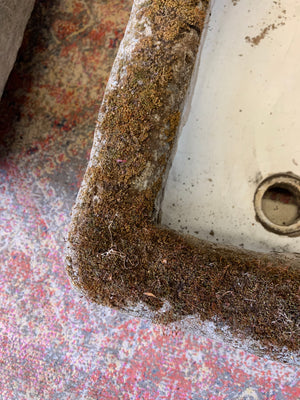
[117, 255]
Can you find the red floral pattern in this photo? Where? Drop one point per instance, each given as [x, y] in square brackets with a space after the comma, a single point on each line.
[55, 345]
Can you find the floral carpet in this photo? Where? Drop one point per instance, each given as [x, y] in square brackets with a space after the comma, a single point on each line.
[54, 344]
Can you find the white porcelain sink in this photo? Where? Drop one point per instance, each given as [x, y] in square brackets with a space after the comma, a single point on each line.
[242, 124]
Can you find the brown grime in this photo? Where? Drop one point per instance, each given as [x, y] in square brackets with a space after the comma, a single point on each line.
[116, 254]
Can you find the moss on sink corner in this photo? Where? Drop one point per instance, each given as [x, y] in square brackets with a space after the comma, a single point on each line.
[116, 255]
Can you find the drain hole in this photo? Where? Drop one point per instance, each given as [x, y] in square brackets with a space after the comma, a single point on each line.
[280, 206]
[277, 204]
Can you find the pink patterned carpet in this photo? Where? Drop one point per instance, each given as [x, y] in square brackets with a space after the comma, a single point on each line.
[55, 345]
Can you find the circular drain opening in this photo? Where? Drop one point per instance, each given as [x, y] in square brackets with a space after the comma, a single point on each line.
[280, 206]
[277, 204]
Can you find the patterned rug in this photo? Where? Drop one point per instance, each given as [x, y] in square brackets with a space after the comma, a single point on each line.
[54, 344]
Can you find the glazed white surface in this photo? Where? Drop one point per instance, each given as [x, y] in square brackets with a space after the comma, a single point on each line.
[242, 124]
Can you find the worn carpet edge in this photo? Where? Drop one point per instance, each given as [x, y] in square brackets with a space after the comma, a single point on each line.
[117, 256]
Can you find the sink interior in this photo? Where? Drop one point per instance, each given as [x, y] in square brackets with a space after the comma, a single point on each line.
[240, 125]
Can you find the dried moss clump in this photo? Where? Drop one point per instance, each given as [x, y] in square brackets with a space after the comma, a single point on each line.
[116, 255]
